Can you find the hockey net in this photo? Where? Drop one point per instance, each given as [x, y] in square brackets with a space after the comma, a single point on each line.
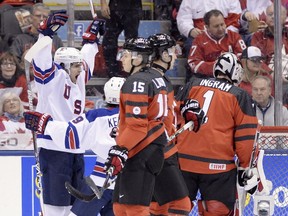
[274, 142]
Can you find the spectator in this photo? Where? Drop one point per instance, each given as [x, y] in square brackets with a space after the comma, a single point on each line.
[207, 157]
[265, 102]
[13, 132]
[190, 17]
[23, 42]
[252, 18]
[11, 109]
[211, 43]
[251, 60]
[119, 15]
[12, 77]
[264, 39]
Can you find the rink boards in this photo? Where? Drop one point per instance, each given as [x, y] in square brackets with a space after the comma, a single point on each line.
[19, 191]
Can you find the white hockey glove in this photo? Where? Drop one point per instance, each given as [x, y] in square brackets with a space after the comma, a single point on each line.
[248, 179]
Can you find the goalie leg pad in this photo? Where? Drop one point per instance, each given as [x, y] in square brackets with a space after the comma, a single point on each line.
[213, 208]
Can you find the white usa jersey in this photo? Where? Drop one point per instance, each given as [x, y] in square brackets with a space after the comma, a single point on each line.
[57, 94]
[90, 130]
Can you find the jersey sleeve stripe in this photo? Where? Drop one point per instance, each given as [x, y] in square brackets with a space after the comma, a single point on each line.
[98, 170]
[71, 138]
[135, 103]
[129, 115]
[44, 77]
[87, 71]
[243, 138]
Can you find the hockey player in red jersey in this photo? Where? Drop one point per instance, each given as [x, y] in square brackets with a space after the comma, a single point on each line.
[170, 192]
[207, 157]
[141, 139]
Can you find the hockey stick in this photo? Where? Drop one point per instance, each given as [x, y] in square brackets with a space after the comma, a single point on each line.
[181, 130]
[97, 193]
[33, 51]
[93, 12]
[242, 194]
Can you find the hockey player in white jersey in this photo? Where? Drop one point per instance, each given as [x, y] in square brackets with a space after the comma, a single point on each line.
[61, 93]
[87, 131]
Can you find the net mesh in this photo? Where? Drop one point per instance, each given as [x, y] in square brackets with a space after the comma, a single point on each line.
[274, 141]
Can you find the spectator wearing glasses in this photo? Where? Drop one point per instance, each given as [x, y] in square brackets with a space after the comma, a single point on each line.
[252, 62]
[23, 42]
[13, 133]
[11, 109]
[12, 77]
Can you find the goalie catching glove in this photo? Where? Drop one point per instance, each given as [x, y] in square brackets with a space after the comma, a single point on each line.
[117, 157]
[54, 21]
[36, 121]
[191, 111]
[248, 179]
[90, 35]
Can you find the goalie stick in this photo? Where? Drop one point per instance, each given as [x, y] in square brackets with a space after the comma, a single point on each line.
[97, 193]
[242, 194]
[33, 51]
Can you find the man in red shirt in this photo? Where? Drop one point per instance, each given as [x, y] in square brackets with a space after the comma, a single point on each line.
[211, 43]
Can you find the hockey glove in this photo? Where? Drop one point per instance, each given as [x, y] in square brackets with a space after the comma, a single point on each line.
[191, 111]
[54, 21]
[249, 182]
[117, 157]
[36, 121]
[90, 35]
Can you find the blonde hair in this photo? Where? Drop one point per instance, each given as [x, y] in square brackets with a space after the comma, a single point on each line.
[8, 95]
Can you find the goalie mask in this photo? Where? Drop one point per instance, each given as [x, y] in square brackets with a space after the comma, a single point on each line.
[65, 56]
[229, 65]
[112, 90]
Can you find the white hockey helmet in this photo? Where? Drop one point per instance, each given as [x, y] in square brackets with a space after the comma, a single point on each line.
[112, 90]
[66, 56]
[228, 64]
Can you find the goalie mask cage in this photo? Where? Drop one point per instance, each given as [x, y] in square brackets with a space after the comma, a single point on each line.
[274, 141]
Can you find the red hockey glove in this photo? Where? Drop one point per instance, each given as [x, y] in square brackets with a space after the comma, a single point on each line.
[249, 182]
[54, 21]
[90, 35]
[191, 111]
[36, 121]
[117, 157]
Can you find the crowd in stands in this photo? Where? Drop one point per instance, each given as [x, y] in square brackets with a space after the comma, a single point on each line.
[204, 29]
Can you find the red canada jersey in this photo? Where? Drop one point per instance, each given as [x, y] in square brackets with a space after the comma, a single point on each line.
[229, 128]
[205, 50]
[171, 120]
[143, 108]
